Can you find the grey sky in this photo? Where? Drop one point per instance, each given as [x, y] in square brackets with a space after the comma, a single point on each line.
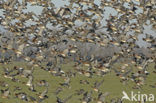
[108, 10]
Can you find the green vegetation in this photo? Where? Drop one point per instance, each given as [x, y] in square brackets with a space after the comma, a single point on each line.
[111, 84]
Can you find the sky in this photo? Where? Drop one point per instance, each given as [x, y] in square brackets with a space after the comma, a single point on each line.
[108, 10]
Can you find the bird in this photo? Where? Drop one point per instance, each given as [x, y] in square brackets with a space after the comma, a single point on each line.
[77, 33]
[97, 85]
[58, 90]
[102, 96]
[80, 92]
[22, 96]
[66, 83]
[43, 95]
[29, 83]
[5, 93]
[87, 97]
[43, 83]
[32, 88]
[27, 73]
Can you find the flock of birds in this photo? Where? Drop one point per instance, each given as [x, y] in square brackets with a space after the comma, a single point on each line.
[84, 45]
